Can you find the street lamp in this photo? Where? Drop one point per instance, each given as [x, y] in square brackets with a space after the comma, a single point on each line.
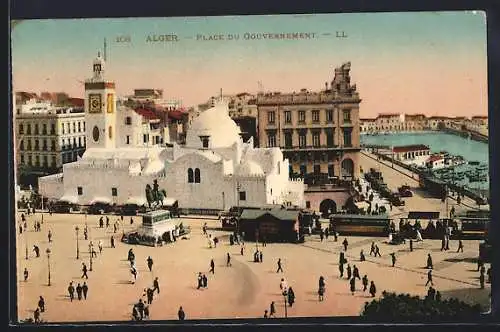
[91, 250]
[26, 241]
[48, 261]
[238, 188]
[77, 246]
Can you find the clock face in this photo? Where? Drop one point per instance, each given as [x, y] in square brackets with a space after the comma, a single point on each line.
[95, 103]
[95, 134]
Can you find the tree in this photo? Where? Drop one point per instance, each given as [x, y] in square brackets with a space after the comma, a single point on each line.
[403, 307]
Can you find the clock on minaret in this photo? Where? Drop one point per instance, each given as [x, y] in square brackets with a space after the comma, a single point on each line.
[95, 103]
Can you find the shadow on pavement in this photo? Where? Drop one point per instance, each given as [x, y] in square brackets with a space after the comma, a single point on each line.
[470, 295]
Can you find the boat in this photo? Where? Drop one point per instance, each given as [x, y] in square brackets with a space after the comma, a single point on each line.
[474, 163]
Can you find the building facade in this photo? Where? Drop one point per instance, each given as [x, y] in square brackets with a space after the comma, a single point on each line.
[317, 131]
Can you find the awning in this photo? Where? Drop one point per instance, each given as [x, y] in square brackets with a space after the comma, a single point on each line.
[362, 205]
[169, 201]
[69, 198]
[104, 200]
[137, 201]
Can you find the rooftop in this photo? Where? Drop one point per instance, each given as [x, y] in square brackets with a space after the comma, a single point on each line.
[409, 148]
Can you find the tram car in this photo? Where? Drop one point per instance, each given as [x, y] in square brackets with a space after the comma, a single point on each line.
[354, 224]
[473, 228]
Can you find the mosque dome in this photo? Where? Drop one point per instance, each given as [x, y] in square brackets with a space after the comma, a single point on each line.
[250, 168]
[215, 122]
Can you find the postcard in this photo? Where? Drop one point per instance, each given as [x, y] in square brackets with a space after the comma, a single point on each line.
[252, 167]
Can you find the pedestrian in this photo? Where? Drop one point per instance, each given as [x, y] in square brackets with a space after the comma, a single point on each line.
[140, 308]
[321, 235]
[283, 286]
[411, 245]
[85, 289]
[335, 235]
[100, 247]
[101, 223]
[150, 263]
[429, 278]
[265, 313]
[355, 272]
[345, 244]
[216, 240]
[280, 268]
[49, 235]
[114, 231]
[261, 256]
[156, 285]
[460, 246]
[438, 296]
[342, 259]
[36, 315]
[349, 271]
[107, 222]
[79, 291]
[135, 312]
[181, 314]
[352, 283]
[365, 282]
[272, 310]
[393, 259]
[20, 229]
[291, 296]
[37, 251]
[482, 270]
[41, 304]
[429, 262]
[479, 263]
[133, 270]
[85, 234]
[204, 281]
[241, 250]
[321, 292]
[377, 251]
[204, 228]
[443, 243]
[212, 266]
[84, 270]
[200, 281]
[341, 270]
[149, 295]
[489, 275]
[373, 289]
[112, 241]
[71, 291]
[362, 256]
[228, 260]
[26, 274]
[131, 221]
[146, 312]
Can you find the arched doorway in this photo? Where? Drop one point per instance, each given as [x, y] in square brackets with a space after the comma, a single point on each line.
[347, 167]
[327, 207]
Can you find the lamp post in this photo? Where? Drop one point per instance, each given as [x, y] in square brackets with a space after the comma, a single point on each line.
[48, 261]
[77, 246]
[26, 242]
[238, 187]
[285, 293]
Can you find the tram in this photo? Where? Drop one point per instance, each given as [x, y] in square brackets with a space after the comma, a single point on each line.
[473, 228]
[354, 224]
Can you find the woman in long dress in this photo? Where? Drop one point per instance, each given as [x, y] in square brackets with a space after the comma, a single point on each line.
[419, 236]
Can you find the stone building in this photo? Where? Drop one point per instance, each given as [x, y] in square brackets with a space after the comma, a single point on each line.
[317, 131]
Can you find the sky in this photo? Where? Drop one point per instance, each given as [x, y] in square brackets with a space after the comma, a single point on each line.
[428, 62]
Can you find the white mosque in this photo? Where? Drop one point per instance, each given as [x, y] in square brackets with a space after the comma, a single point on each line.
[213, 171]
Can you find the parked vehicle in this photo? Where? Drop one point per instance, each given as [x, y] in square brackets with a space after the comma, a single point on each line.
[63, 207]
[395, 199]
[99, 208]
[405, 191]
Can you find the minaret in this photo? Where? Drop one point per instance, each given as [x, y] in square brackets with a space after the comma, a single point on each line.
[100, 108]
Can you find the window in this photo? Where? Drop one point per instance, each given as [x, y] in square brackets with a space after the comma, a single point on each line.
[52, 128]
[62, 128]
[22, 159]
[288, 117]
[347, 137]
[79, 127]
[37, 161]
[331, 172]
[54, 161]
[74, 143]
[315, 116]
[329, 139]
[197, 175]
[30, 160]
[28, 129]
[204, 142]
[45, 161]
[308, 204]
[190, 175]
[329, 115]
[316, 139]
[83, 126]
[145, 138]
[128, 139]
[28, 145]
[21, 129]
[243, 195]
[44, 145]
[21, 145]
[79, 142]
[270, 117]
[128, 120]
[347, 116]
[271, 140]
[79, 190]
[288, 140]
[317, 169]
[302, 140]
[36, 129]
[44, 129]
[37, 145]
[302, 116]
[114, 192]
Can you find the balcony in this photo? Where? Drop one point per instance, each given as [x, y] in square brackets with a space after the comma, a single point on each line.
[318, 148]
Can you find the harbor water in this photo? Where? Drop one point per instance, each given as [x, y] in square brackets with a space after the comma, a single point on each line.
[470, 150]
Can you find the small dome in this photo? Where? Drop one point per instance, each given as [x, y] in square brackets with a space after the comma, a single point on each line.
[215, 122]
[250, 168]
